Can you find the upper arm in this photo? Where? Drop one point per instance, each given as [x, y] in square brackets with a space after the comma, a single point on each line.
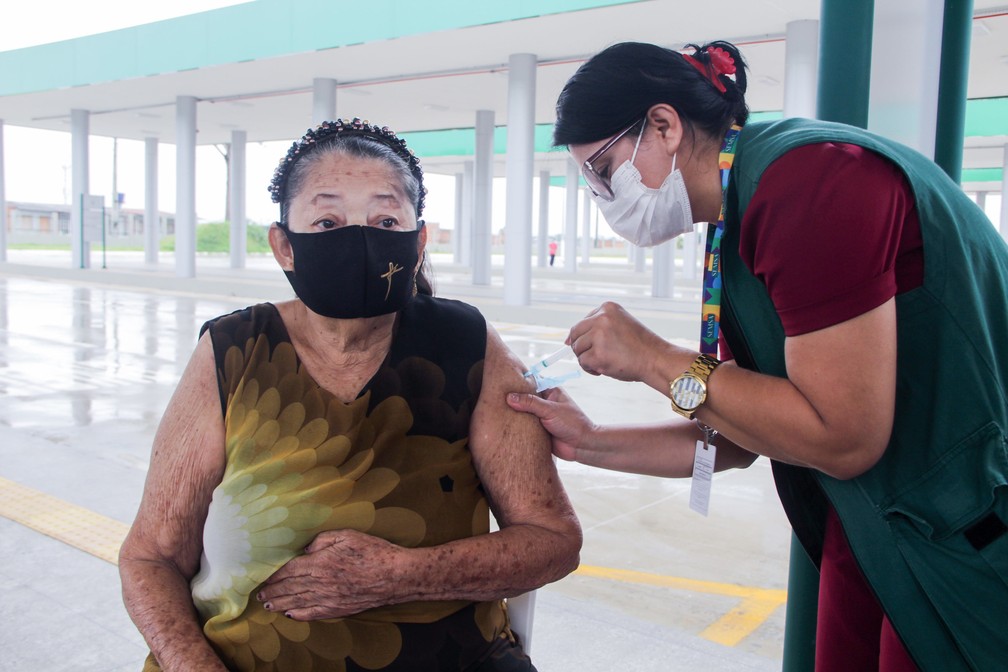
[511, 450]
[187, 462]
[847, 372]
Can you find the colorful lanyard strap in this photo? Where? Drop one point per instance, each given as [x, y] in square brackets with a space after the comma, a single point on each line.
[710, 312]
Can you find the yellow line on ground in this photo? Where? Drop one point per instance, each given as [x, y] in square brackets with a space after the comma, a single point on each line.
[755, 605]
[102, 536]
[81, 528]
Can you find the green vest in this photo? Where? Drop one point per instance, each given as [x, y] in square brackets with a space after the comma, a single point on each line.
[926, 524]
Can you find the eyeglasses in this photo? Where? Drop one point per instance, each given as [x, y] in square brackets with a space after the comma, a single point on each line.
[600, 185]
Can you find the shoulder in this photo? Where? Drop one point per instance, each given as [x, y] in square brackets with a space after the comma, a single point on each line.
[254, 316]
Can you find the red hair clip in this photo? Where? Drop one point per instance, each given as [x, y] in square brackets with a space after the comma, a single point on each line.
[721, 63]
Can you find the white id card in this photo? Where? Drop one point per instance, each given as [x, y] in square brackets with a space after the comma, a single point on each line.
[703, 471]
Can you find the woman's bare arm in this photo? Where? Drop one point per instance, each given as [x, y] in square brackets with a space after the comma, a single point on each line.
[345, 572]
[162, 551]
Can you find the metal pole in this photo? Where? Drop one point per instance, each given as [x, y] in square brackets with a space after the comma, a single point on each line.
[542, 243]
[845, 61]
[953, 73]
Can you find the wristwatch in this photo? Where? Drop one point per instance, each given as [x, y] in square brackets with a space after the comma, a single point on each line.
[689, 389]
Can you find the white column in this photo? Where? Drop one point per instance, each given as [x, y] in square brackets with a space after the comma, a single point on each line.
[1004, 194]
[639, 258]
[152, 219]
[690, 266]
[465, 225]
[482, 196]
[906, 55]
[801, 66]
[520, 149]
[542, 243]
[236, 188]
[185, 186]
[81, 250]
[3, 200]
[323, 100]
[459, 206]
[662, 262]
[569, 248]
[586, 234]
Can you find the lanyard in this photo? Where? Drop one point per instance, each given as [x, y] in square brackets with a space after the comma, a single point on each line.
[710, 311]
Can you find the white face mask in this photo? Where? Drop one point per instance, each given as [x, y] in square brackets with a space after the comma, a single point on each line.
[646, 216]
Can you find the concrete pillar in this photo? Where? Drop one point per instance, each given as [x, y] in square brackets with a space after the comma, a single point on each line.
[903, 98]
[801, 64]
[639, 258]
[238, 238]
[482, 196]
[690, 256]
[520, 150]
[3, 199]
[79, 136]
[152, 220]
[465, 225]
[1004, 194]
[542, 240]
[323, 100]
[569, 248]
[185, 186]
[586, 233]
[459, 209]
[662, 262]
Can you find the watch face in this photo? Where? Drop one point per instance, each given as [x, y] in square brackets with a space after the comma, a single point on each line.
[688, 392]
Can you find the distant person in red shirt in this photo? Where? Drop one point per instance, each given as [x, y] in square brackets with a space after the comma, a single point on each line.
[552, 251]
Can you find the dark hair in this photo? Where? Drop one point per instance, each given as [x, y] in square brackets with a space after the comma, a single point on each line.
[621, 83]
[358, 147]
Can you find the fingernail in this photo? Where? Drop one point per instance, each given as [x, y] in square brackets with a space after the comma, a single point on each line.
[268, 606]
[287, 614]
[259, 596]
[512, 397]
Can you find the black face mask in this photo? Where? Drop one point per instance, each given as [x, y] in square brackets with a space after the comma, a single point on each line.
[354, 271]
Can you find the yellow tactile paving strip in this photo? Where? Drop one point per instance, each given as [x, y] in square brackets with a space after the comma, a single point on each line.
[101, 537]
[74, 525]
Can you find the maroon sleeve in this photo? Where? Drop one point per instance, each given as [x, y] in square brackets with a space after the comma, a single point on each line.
[832, 232]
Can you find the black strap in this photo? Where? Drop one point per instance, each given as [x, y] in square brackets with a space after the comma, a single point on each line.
[982, 533]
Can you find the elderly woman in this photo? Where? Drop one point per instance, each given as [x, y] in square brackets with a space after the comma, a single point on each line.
[320, 485]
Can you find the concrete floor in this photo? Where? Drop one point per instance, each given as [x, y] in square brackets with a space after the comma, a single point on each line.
[89, 358]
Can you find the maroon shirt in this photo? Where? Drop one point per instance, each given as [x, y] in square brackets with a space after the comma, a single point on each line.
[832, 231]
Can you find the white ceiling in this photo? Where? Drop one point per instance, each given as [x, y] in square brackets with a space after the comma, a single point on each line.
[439, 80]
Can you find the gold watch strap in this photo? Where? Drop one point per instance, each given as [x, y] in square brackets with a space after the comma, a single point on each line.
[703, 366]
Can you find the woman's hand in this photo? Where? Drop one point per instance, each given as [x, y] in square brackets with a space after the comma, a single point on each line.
[611, 342]
[560, 416]
[342, 572]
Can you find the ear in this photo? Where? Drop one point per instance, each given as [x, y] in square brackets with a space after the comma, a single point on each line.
[421, 245]
[281, 247]
[665, 126]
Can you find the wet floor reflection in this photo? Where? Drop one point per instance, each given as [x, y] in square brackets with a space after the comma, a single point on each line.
[80, 356]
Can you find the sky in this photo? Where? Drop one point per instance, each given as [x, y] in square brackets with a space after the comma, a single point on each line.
[38, 180]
